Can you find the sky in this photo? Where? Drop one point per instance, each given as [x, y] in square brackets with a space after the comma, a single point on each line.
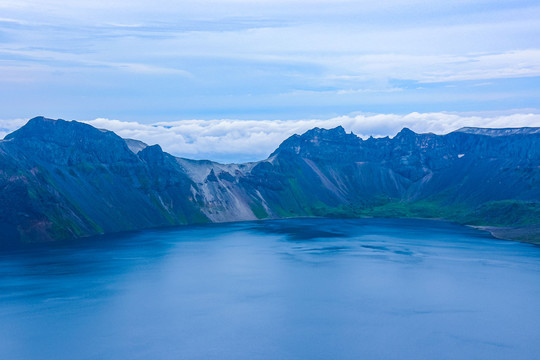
[229, 80]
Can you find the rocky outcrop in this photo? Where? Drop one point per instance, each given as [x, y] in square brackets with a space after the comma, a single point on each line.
[63, 179]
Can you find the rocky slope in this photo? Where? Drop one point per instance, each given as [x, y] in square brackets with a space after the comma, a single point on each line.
[61, 180]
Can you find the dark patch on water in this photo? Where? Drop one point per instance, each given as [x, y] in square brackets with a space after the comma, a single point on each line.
[374, 247]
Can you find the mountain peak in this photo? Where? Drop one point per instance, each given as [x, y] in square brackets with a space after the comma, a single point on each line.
[44, 128]
[405, 132]
[59, 140]
[318, 140]
[39, 119]
[33, 127]
[334, 132]
[338, 129]
[63, 179]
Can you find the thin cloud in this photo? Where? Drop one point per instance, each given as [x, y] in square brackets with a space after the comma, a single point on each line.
[52, 60]
[273, 59]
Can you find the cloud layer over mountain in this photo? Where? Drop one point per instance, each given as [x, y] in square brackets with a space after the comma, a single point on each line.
[228, 140]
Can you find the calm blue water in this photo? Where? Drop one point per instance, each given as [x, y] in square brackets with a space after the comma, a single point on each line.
[289, 289]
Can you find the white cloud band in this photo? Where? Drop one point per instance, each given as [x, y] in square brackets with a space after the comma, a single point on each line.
[249, 140]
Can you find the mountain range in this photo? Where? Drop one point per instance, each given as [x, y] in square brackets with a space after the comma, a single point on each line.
[61, 180]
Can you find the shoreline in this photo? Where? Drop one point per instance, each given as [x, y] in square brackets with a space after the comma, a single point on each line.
[525, 234]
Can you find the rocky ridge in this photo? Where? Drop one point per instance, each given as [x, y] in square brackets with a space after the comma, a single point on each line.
[64, 179]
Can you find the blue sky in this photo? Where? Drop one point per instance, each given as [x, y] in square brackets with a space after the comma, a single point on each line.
[148, 62]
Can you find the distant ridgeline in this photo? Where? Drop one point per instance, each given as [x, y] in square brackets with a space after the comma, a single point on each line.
[64, 179]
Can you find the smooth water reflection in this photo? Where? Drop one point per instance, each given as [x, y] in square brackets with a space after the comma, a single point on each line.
[288, 289]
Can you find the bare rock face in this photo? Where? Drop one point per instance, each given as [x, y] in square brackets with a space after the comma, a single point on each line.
[74, 180]
[64, 179]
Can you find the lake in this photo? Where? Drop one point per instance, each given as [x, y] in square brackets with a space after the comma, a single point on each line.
[284, 289]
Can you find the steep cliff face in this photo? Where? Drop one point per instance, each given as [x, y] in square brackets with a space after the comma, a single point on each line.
[455, 172]
[60, 180]
[64, 179]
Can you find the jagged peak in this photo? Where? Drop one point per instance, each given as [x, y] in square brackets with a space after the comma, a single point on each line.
[316, 137]
[337, 131]
[405, 132]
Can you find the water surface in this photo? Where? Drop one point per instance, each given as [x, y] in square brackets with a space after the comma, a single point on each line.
[287, 289]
